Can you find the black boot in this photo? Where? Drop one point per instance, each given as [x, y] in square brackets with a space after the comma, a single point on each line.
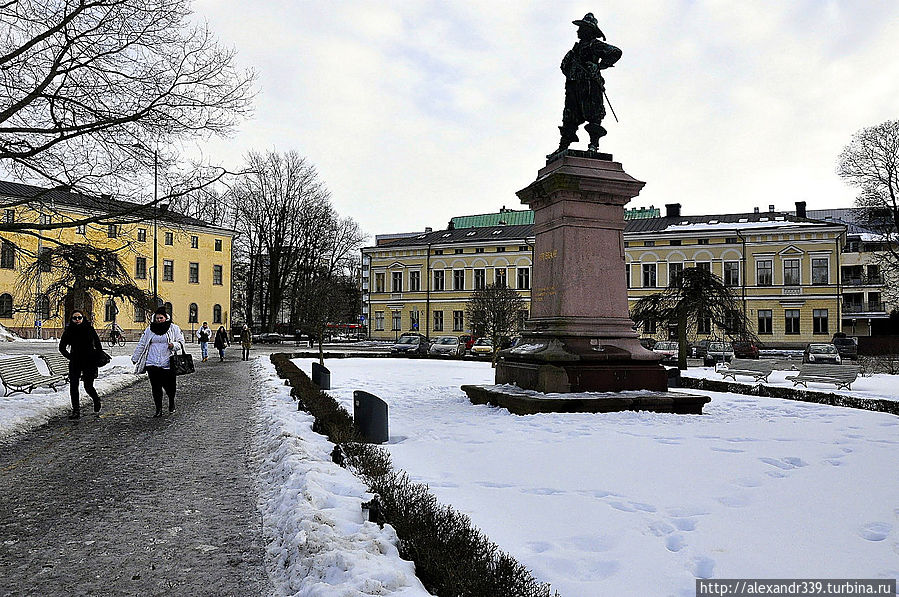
[171, 405]
[75, 415]
[158, 413]
[97, 405]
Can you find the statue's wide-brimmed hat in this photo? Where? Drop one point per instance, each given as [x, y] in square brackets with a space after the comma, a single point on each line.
[588, 21]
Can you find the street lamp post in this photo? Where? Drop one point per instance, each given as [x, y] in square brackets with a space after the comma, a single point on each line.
[155, 217]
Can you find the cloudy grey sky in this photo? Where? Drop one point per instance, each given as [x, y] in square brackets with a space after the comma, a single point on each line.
[417, 111]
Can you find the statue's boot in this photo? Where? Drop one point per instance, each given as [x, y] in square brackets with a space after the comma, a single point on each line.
[568, 137]
[595, 131]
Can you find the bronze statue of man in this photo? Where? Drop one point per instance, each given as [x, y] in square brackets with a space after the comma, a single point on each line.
[584, 85]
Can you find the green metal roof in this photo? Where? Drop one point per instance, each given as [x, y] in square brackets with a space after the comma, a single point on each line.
[525, 217]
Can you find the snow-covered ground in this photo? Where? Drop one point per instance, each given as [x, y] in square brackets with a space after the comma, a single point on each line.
[21, 412]
[319, 543]
[879, 385]
[638, 503]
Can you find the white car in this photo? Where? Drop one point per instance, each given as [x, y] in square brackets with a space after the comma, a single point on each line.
[448, 345]
[667, 349]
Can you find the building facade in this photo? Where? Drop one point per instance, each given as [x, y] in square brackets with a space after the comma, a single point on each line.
[192, 268]
[784, 267]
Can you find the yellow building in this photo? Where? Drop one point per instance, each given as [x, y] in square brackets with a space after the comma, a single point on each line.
[784, 267]
[193, 262]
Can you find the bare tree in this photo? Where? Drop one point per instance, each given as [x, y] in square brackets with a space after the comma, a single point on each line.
[331, 299]
[494, 310]
[871, 164]
[95, 93]
[699, 295]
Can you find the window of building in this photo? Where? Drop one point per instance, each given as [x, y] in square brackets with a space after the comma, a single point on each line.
[731, 240]
[458, 321]
[764, 272]
[414, 281]
[438, 321]
[141, 235]
[649, 275]
[501, 249]
[168, 309]
[379, 282]
[649, 326]
[479, 249]
[7, 255]
[731, 320]
[397, 321]
[522, 318]
[499, 277]
[140, 268]
[703, 325]
[523, 248]
[112, 231]
[480, 279]
[819, 321]
[194, 242]
[217, 275]
[649, 243]
[139, 314]
[439, 279]
[675, 272]
[524, 278]
[218, 244]
[438, 251]
[42, 307]
[193, 273]
[168, 270]
[46, 219]
[731, 273]
[820, 272]
[396, 281]
[703, 241]
[791, 321]
[9, 216]
[379, 321]
[216, 313]
[81, 229]
[110, 311]
[791, 272]
[414, 320]
[111, 263]
[6, 305]
[169, 238]
[44, 260]
[676, 242]
[704, 265]
[458, 279]
[627, 274]
[193, 313]
[457, 251]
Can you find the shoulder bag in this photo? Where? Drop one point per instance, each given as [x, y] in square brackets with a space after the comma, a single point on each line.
[181, 363]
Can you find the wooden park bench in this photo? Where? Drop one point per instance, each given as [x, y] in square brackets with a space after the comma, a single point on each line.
[57, 364]
[839, 375]
[755, 368]
[20, 374]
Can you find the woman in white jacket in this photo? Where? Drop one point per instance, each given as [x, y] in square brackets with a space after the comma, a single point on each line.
[155, 348]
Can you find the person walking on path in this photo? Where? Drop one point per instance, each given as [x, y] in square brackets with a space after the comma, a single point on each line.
[204, 334]
[246, 341]
[156, 346]
[221, 341]
[80, 344]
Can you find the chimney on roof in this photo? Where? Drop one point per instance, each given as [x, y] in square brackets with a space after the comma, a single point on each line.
[770, 208]
[451, 226]
[429, 229]
[672, 210]
[800, 209]
[503, 223]
[755, 210]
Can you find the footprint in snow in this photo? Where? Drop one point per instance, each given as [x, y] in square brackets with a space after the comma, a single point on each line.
[660, 528]
[675, 542]
[734, 501]
[702, 567]
[684, 524]
[875, 531]
[786, 464]
[730, 450]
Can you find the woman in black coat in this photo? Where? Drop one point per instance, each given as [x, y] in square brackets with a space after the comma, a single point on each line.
[221, 340]
[80, 344]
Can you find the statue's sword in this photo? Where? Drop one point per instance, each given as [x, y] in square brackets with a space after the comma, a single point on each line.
[610, 105]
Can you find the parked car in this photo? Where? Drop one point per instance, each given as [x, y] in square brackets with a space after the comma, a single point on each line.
[745, 349]
[718, 352]
[821, 353]
[267, 338]
[701, 348]
[846, 346]
[467, 340]
[448, 345]
[667, 349]
[648, 343]
[410, 344]
[482, 346]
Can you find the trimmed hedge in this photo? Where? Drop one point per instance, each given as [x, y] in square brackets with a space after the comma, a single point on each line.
[714, 385]
[452, 557]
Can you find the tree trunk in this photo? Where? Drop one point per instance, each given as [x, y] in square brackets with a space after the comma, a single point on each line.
[682, 342]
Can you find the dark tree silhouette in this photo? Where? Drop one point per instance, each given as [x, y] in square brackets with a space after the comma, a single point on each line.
[699, 295]
[494, 311]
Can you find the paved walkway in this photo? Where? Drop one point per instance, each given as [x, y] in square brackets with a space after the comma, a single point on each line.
[124, 504]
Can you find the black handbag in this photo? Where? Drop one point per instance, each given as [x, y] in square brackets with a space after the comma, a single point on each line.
[181, 364]
[101, 358]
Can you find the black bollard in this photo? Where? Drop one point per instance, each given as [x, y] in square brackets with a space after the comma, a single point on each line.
[321, 376]
[370, 416]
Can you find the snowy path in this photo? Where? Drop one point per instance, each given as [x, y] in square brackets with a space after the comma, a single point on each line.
[644, 503]
[124, 504]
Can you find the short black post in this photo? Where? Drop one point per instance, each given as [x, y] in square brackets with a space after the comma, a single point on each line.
[370, 416]
[321, 376]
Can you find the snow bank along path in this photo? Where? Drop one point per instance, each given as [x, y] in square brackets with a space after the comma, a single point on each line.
[638, 503]
[21, 412]
[319, 544]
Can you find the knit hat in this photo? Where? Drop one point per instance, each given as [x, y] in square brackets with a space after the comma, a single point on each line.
[161, 311]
